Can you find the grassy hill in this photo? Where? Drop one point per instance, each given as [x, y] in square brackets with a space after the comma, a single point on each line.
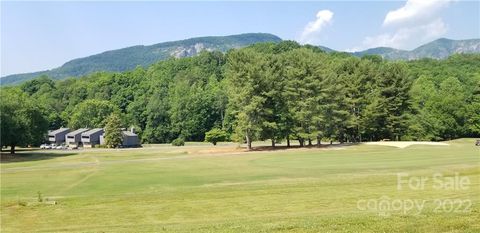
[131, 57]
[202, 188]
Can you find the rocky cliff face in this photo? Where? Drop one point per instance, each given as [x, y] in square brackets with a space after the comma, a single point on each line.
[188, 51]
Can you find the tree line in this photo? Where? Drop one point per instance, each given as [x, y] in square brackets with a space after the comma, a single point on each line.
[278, 91]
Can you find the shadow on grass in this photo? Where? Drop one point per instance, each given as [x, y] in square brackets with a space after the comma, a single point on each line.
[6, 157]
[270, 148]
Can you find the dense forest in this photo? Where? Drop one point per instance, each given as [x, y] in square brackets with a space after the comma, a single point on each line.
[277, 91]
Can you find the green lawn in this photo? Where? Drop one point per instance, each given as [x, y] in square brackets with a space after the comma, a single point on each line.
[187, 189]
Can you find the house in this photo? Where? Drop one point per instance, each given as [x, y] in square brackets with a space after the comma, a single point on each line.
[58, 136]
[91, 137]
[75, 137]
[130, 139]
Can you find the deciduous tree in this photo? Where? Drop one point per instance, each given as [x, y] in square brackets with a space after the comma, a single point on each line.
[22, 121]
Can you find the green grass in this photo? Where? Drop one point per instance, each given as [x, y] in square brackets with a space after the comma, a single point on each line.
[182, 189]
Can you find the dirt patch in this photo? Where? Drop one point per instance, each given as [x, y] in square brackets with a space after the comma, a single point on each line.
[218, 150]
[236, 150]
[406, 144]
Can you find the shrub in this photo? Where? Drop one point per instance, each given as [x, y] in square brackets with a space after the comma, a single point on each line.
[216, 135]
[178, 142]
[22, 203]
[39, 196]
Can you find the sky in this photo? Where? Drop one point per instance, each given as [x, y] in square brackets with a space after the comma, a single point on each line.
[39, 36]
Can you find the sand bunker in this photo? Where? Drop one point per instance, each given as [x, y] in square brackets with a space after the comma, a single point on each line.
[405, 144]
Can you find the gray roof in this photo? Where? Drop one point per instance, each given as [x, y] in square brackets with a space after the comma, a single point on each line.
[78, 131]
[92, 131]
[57, 131]
[128, 133]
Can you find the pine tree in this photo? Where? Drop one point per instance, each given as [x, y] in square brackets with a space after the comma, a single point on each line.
[305, 75]
[113, 131]
[394, 100]
[246, 87]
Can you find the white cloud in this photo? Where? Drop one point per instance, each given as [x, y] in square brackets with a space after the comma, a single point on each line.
[312, 30]
[415, 11]
[415, 23]
[408, 37]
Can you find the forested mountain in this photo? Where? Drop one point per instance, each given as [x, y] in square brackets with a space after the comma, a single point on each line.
[131, 57]
[277, 91]
[438, 49]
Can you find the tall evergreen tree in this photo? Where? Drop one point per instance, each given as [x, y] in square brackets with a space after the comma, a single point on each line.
[394, 100]
[305, 75]
[113, 131]
[246, 76]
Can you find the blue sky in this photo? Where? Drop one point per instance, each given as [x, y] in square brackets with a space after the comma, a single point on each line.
[43, 35]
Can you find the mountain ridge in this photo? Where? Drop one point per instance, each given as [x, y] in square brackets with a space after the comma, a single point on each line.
[438, 49]
[144, 55]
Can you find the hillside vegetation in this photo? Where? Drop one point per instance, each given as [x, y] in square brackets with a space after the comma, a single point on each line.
[277, 91]
[131, 57]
